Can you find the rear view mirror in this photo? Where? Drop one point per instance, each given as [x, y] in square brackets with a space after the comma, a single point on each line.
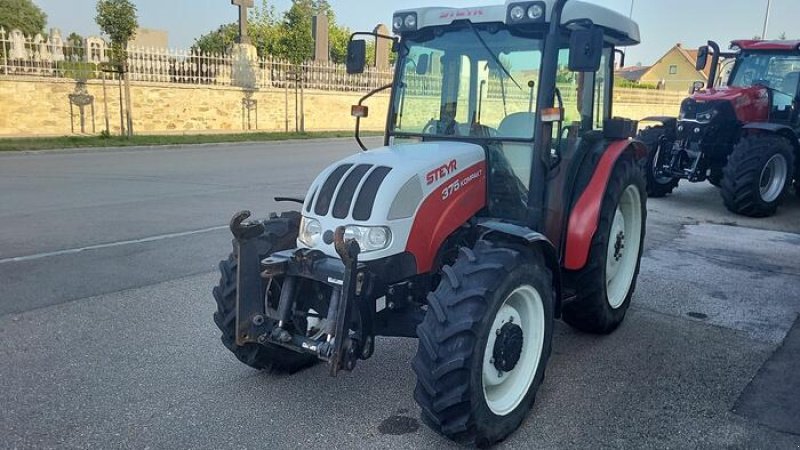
[423, 64]
[702, 58]
[697, 86]
[586, 50]
[356, 56]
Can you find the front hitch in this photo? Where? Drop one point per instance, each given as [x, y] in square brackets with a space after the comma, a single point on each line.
[249, 306]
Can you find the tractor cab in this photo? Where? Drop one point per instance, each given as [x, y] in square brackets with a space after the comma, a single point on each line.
[494, 76]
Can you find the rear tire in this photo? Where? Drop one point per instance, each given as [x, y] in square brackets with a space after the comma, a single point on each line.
[758, 174]
[280, 233]
[657, 186]
[605, 286]
[461, 389]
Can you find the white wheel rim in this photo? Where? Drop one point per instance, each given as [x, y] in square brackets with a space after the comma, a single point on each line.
[624, 243]
[504, 391]
[773, 178]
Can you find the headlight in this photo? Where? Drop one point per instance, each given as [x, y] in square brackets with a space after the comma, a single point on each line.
[310, 232]
[404, 22]
[397, 23]
[535, 12]
[707, 116]
[526, 12]
[369, 239]
[517, 13]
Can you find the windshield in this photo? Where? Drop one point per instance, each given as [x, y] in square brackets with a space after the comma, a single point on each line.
[477, 82]
[778, 71]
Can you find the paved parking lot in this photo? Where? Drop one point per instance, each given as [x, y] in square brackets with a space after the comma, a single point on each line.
[107, 260]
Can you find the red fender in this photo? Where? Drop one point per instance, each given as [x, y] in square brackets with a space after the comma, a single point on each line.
[586, 215]
[444, 211]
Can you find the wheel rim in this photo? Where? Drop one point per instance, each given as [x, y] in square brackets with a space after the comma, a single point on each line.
[623, 246]
[505, 390]
[773, 178]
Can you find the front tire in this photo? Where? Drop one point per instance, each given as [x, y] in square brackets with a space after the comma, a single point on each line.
[654, 138]
[280, 233]
[758, 174]
[604, 287]
[484, 343]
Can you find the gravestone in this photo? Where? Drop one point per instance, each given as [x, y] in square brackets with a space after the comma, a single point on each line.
[382, 48]
[95, 49]
[40, 49]
[18, 50]
[56, 45]
[320, 32]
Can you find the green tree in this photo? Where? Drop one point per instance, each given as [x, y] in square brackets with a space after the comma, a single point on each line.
[297, 43]
[74, 47]
[117, 19]
[219, 40]
[23, 15]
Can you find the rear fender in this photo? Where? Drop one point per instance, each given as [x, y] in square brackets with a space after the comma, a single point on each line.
[775, 128]
[537, 242]
[585, 215]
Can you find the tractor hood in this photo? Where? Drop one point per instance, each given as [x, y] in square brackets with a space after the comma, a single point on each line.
[749, 104]
[389, 187]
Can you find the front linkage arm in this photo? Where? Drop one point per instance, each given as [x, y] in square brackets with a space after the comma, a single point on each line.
[344, 349]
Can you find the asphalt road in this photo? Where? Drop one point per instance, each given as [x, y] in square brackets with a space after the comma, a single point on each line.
[107, 259]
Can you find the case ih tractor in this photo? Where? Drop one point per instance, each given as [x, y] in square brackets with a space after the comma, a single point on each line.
[505, 197]
[742, 137]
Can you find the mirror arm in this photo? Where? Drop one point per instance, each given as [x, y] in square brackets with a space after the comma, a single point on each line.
[358, 119]
[712, 75]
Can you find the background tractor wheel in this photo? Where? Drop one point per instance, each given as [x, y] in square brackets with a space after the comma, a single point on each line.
[605, 286]
[758, 174]
[484, 343]
[280, 233]
[657, 186]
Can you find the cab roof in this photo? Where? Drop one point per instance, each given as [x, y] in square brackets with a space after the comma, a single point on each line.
[620, 30]
[767, 45]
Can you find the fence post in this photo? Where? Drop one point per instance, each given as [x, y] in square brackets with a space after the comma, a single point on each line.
[5, 51]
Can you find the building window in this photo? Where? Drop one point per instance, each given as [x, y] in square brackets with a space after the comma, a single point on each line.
[673, 69]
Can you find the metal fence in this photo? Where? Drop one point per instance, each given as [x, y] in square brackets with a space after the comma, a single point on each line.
[55, 57]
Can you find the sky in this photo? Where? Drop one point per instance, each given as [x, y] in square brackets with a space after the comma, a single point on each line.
[663, 23]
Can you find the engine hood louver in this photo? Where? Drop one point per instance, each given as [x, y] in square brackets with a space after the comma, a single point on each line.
[350, 186]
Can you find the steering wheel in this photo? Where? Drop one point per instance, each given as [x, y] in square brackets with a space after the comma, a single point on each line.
[445, 127]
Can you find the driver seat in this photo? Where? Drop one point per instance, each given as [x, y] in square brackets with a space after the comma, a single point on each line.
[518, 125]
[790, 82]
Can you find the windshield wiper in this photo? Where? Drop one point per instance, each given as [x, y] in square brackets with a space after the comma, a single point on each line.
[492, 54]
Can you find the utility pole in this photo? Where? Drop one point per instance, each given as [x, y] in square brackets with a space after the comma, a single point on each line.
[766, 20]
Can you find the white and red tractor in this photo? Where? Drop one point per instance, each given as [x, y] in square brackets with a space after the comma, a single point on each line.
[505, 196]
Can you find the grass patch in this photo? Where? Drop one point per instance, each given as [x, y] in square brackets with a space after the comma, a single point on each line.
[66, 142]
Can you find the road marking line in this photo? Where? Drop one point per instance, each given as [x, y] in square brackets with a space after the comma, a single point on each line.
[111, 245]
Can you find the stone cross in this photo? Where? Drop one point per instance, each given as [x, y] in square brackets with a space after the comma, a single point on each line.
[243, 6]
[320, 33]
[382, 48]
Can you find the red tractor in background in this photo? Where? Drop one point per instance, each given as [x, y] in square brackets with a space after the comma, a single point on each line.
[741, 137]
